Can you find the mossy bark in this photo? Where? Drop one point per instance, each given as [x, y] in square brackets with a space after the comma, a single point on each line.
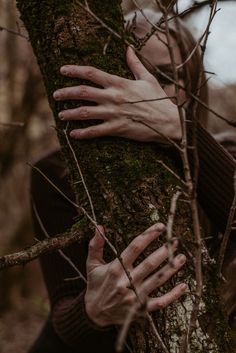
[130, 190]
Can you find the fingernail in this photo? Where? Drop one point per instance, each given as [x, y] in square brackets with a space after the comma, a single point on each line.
[61, 116]
[175, 243]
[73, 134]
[56, 95]
[160, 226]
[64, 70]
[183, 287]
[181, 258]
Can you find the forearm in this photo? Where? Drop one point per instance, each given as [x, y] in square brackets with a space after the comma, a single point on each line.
[74, 327]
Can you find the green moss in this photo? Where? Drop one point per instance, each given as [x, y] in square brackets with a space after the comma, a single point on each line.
[81, 223]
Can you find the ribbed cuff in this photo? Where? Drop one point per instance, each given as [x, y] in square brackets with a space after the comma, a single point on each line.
[72, 323]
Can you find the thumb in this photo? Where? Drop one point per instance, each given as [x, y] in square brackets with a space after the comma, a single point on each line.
[95, 251]
[138, 69]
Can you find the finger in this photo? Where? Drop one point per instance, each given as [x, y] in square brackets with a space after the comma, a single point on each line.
[160, 277]
[136, 247]
[104, 129]
[138, 69]
[81, 92]
[86, 113]
[95, 251]
[154, 260]
[91, 74]
[166, 299]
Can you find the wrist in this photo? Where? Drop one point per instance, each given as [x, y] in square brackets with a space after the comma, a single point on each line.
[166, 126]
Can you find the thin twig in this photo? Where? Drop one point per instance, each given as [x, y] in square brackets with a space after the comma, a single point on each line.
[63, 255]
[150, 100]
[170, 223]
[81, 176]
[39, 249]
[196, 6]
[119, 258]
[172, 172]
[165, 137]
[160, 72]
[125, 327]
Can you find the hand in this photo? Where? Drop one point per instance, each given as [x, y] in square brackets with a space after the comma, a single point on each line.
[114, 104]
[108, 296]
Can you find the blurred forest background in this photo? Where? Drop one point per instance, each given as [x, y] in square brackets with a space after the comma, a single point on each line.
[26, 133]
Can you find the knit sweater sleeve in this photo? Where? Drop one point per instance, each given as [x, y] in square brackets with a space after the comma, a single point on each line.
[53, 215]
[215, 187]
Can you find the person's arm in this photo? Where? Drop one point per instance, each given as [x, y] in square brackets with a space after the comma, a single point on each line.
[53, 215]
[120, 103]
[85, 313]
[215, 187]
[216, 178]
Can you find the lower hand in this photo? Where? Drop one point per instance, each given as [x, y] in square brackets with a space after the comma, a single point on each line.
[121, 103]
[109, 297]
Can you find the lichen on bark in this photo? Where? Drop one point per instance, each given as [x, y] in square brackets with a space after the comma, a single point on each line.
[129, 188]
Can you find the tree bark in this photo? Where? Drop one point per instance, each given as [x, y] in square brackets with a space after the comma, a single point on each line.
[129, 188]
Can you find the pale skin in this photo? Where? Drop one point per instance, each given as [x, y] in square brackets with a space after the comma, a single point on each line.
[114, 97]
[108, 295]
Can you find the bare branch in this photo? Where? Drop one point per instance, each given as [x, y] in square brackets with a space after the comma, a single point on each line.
[39, 249]
[170, 223]
[81, 176]
[63, 255]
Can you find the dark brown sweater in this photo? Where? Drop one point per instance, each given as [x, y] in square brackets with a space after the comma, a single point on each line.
[71, 330]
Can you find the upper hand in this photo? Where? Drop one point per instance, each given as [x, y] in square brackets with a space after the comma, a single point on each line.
[115, 104]
[108, 296]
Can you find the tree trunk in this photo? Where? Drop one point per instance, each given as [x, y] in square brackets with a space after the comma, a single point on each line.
[129, 188]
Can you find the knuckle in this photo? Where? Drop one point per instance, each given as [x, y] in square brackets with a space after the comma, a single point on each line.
[74, 70]
[83, 112]
[91, 133]
[148, 266]
[83, 91]
[135, 247]
[118, 97]
[90, 73]
[161, 304]
[121, 82]
[91, 245]
[114, 271]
